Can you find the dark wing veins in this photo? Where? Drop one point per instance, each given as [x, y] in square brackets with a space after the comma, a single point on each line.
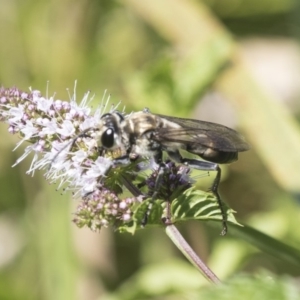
[202, 134]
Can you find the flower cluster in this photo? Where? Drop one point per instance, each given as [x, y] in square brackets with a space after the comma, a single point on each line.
[169, 180]
[103, 208]
[53, 128]
[62, 136]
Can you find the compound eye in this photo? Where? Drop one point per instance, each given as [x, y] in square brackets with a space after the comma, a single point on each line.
[107, 138]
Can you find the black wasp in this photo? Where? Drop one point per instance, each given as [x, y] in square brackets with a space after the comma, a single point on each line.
[143, 134]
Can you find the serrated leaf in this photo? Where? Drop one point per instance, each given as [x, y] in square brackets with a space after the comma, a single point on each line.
[192, 204]
[154, 216]
[195, 204]
[156, 212]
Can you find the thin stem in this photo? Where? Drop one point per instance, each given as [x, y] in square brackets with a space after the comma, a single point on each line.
[190, 254]
[178, 240]
[131, 187]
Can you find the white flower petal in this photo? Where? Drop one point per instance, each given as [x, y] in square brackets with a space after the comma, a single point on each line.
[43, 104]
[29, 130]
[67, 128]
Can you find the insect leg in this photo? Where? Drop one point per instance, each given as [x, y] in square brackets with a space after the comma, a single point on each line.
[158, 182]
[134, 190]
[206, 166]
[70, 144]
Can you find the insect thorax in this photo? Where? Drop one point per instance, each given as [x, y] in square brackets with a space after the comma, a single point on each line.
[137, 131]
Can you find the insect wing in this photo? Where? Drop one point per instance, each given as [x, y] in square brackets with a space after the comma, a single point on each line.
[205, 134]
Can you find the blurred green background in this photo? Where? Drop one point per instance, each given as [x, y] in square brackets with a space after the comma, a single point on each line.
[235, 62]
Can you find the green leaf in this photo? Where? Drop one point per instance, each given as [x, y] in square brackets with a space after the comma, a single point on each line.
[143, 209]
[267, 244]
[195, 204]
[261, 286]
[191, 204]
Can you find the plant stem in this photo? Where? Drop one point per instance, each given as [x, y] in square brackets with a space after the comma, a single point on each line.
[190, 254]
[178, 240]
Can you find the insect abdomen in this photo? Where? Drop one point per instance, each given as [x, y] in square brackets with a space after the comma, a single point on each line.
[219, 157]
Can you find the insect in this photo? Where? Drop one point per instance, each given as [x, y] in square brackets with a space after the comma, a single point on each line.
[144, 134]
